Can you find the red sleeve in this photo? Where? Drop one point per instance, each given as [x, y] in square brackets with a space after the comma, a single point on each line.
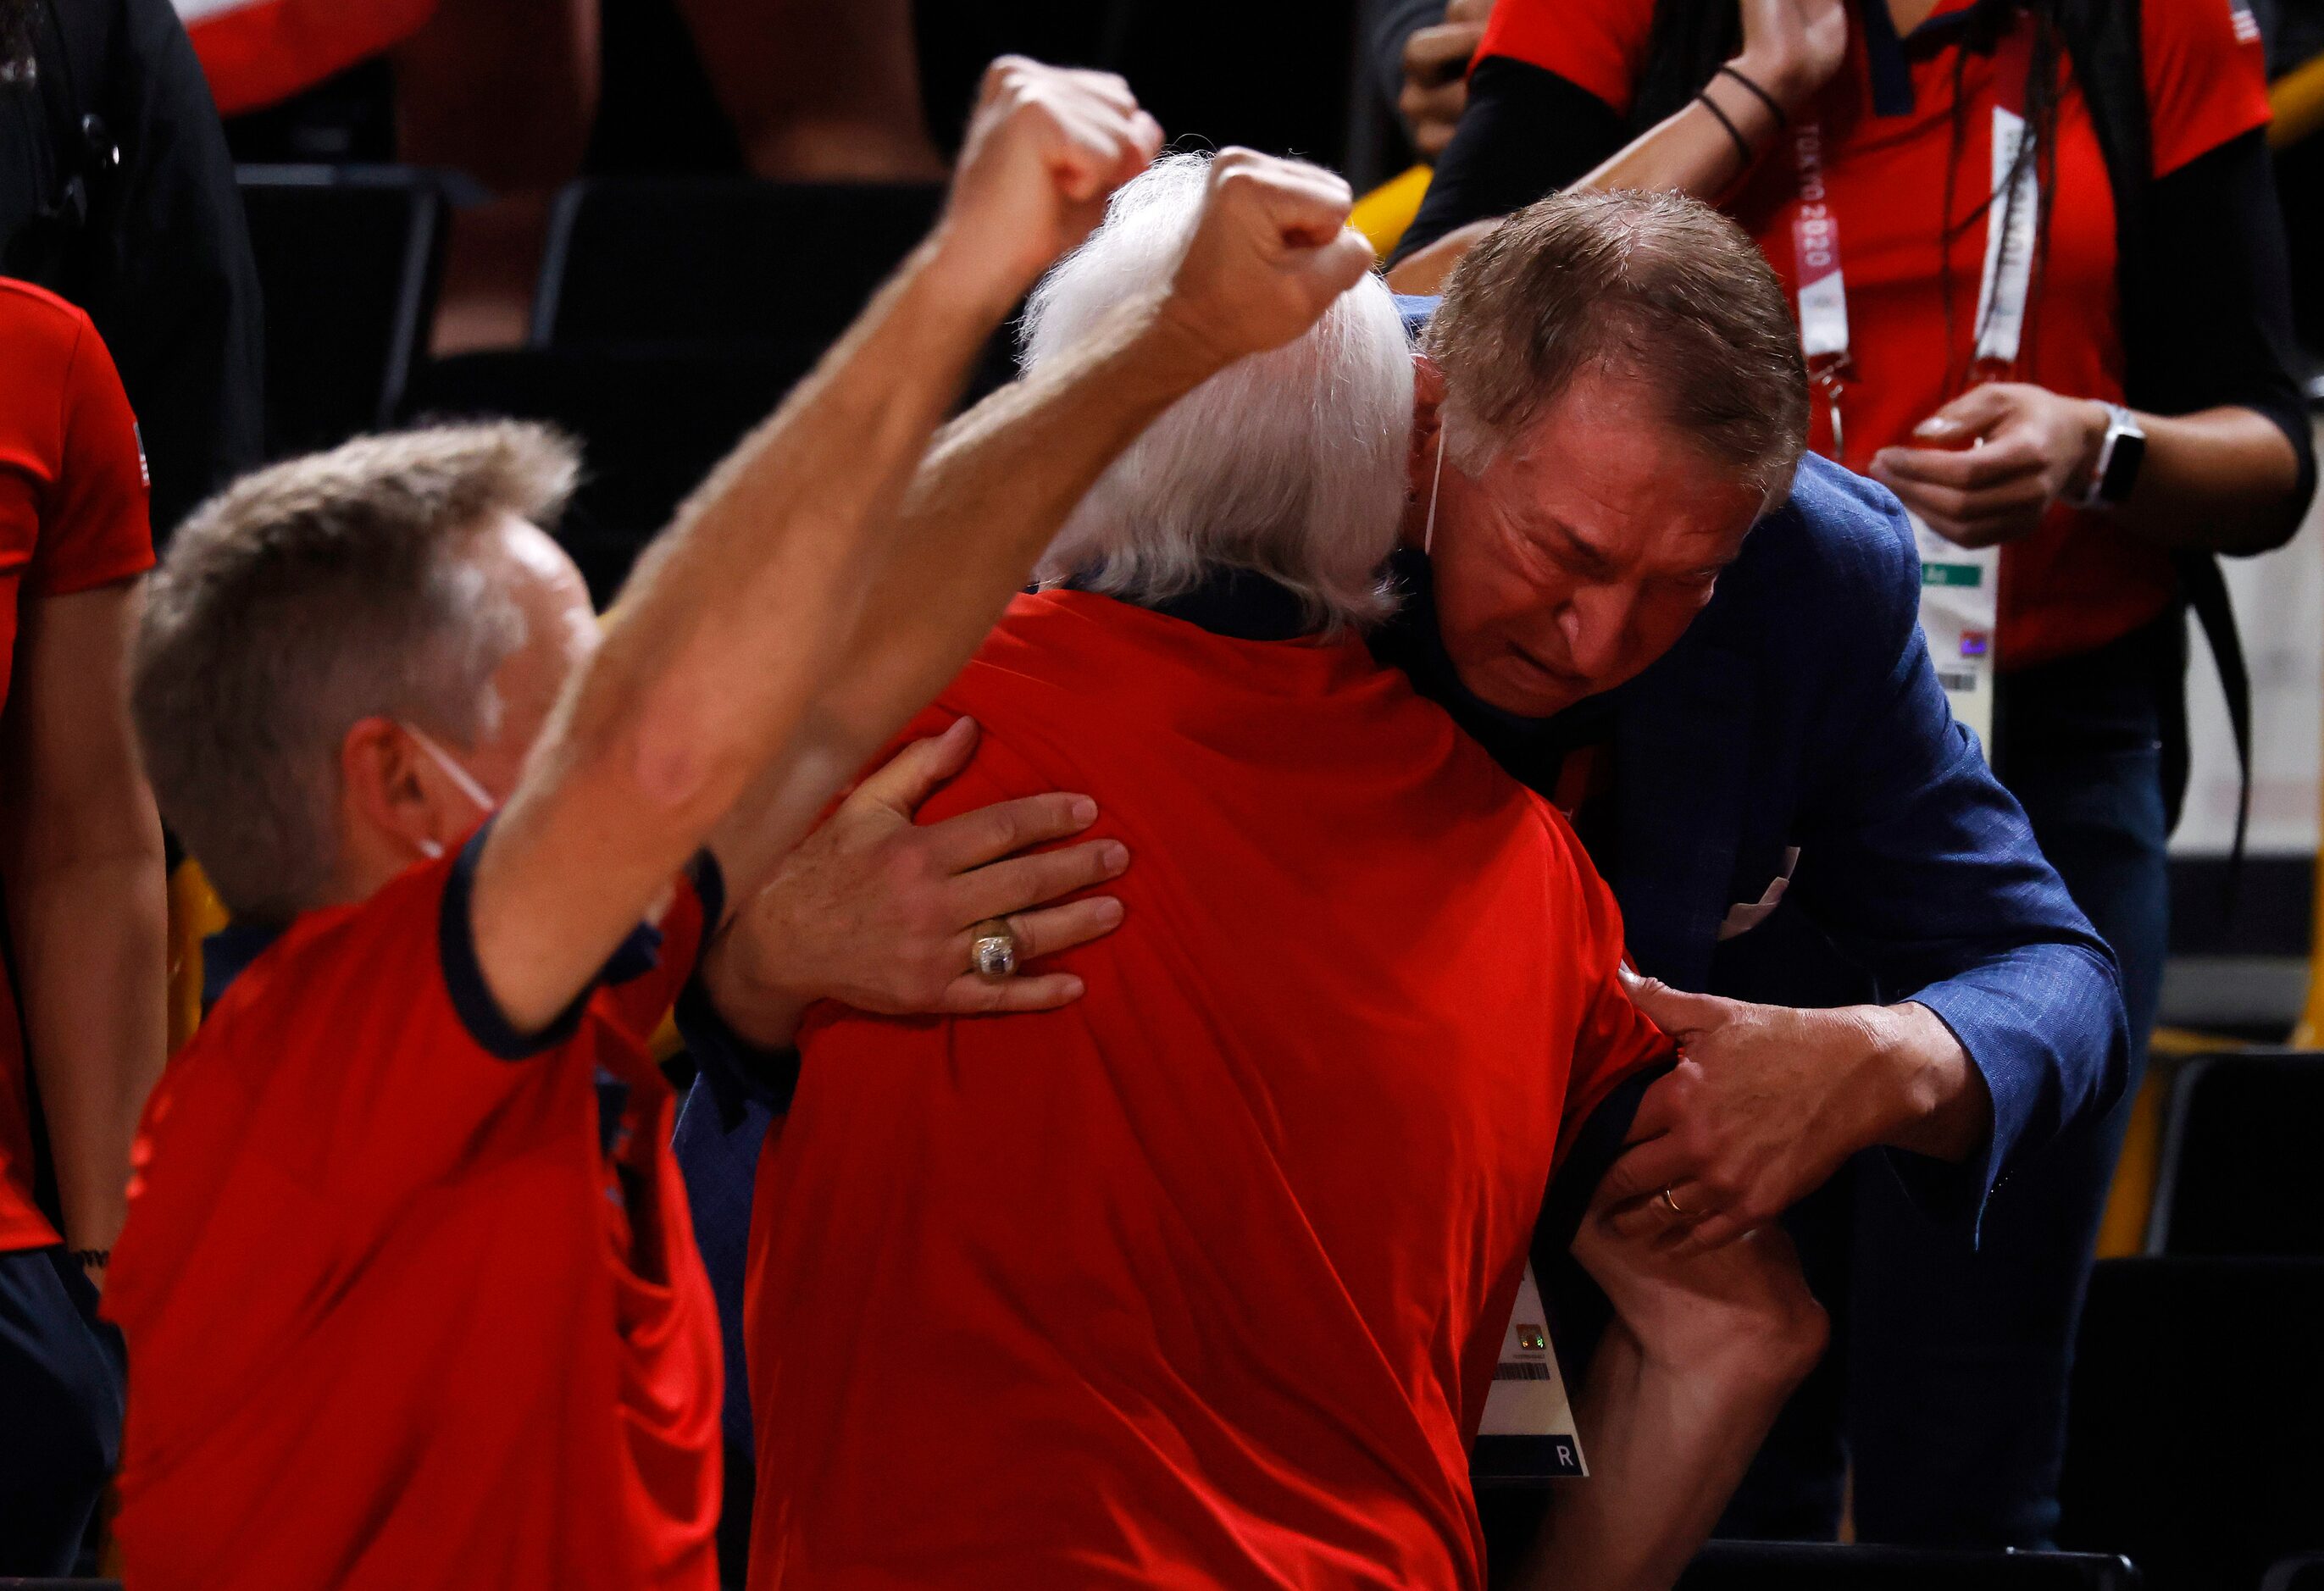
[93, 529]
[1597, 45]
[2206, 76]
[1614, 1039]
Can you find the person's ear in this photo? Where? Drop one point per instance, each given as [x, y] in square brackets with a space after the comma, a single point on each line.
[383, 789]
[1427, 423]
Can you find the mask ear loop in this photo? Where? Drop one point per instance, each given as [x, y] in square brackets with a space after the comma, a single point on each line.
[461, 780]
[1436, 480]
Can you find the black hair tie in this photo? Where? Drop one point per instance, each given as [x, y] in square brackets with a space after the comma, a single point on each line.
[1765, 98]
[1743, 150]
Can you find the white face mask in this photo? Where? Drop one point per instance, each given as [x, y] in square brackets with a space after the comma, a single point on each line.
[461, 780]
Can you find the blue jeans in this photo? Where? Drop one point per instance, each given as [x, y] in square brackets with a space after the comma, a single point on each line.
[1946, 1384]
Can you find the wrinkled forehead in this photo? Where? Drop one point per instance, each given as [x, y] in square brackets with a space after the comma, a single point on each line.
[1602, 464]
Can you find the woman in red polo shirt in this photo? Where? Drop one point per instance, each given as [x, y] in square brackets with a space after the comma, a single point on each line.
[80, 873]
[2039, 272]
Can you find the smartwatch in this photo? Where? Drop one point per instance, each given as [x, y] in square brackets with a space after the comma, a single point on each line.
[2120, 457]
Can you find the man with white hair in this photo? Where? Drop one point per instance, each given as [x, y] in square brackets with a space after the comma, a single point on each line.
[1202, 1279]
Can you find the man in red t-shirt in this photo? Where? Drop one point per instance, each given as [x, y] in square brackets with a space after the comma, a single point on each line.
[1201, 1281]
[409, 1283]
[81, 873]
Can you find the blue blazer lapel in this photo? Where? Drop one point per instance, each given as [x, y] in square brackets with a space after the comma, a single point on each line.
[1681, 765]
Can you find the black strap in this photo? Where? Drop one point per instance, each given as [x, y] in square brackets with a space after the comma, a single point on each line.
[1765, 98]
[1742, 144]
[2206, 591]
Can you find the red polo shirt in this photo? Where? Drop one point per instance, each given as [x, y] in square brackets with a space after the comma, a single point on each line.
[1199, 1281]
[2076, 583]
[404, 1313]
[72, 517]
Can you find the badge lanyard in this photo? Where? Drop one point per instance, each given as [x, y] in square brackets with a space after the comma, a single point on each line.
[1960, 587]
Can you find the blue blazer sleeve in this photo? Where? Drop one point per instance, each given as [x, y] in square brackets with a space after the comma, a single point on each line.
[1923, 870]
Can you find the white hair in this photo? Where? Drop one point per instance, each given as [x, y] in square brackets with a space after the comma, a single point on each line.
[1290, 463]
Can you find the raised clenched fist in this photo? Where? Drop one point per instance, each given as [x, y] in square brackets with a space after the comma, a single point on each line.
[1046, 146]
[1269, 252]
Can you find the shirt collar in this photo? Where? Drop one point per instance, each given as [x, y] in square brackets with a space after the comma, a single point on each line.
[1241, 605]
[228, 952]
[1978, 27]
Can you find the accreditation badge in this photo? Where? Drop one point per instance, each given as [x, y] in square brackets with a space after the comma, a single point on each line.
[1961, 604]
[1960, 587]
[1527, 1432]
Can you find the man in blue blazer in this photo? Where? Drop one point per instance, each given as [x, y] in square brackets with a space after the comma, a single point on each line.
[1844, 918]
[1791, 747]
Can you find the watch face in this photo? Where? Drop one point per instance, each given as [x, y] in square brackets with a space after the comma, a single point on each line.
[2122, 468]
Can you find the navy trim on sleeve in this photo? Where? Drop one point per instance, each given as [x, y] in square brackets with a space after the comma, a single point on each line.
[463, 977]
[1596, 1147]
[1579, 1310]
[709, 888]
[735, 1070]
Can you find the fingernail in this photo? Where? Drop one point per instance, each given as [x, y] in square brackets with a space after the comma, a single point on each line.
[1084, 810]
[1934, 426]
[1075, 989]
[1115, 856]
[1109, 911]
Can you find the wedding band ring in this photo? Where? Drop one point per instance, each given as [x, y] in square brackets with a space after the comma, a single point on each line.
[1672, 1205]
[993, 950]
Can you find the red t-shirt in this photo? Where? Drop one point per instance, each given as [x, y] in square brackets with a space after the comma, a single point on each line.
[72, 517]
[2078, 583]
[396, 1323]
[1199, 1281]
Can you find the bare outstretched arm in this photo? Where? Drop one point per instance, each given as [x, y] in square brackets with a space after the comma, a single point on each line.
[740, 614]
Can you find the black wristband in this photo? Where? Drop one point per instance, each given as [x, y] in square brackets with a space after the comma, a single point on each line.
[1765, 98]
[1743, 150]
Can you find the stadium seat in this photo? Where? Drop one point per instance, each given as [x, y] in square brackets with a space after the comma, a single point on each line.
[2237, 1173]
[728, 263]
[348, 260]
[1800, 1565]
[2304, 1573]
[2191, 1444]
[652, 423]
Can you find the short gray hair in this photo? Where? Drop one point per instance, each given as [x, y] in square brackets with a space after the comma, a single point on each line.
[305, 598]
[1290, 463]
[1657, 286]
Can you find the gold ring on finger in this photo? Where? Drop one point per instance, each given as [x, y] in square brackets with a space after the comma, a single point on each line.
[992, 950]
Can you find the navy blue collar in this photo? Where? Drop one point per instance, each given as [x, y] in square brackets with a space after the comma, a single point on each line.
[1978, 28]
[1241, 605]
[228, 953]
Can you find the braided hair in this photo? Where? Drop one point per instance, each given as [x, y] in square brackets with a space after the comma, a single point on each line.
[2037, 150]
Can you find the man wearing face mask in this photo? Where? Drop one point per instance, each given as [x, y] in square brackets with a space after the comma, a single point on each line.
[408, 1277]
